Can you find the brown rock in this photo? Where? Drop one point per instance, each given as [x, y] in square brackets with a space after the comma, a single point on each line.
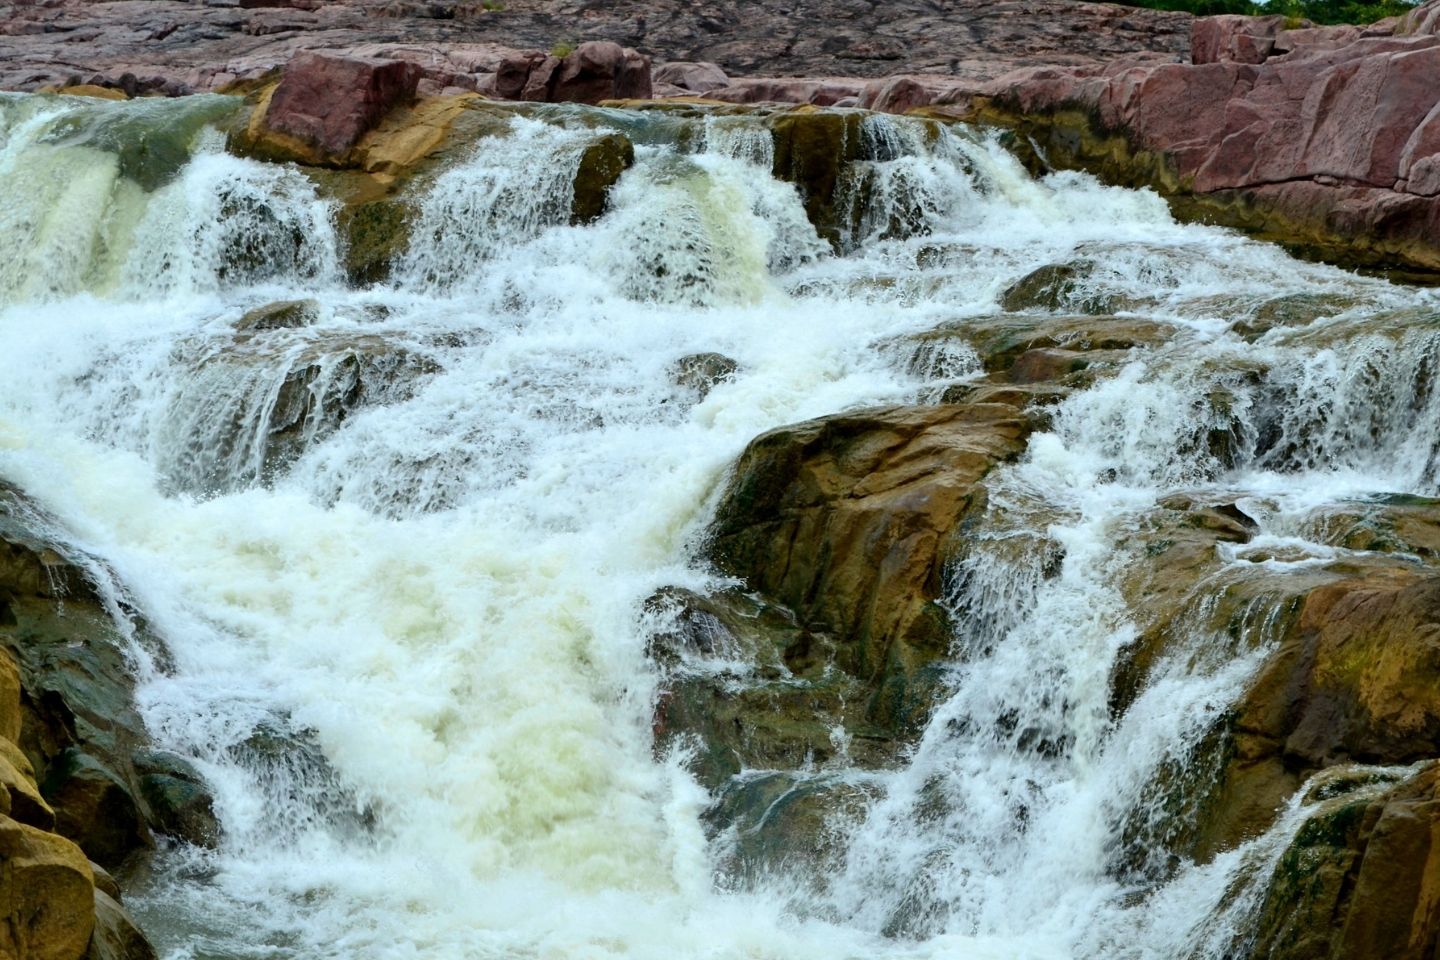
[19, 794]
[116, 936]
[328, 103]
[46, 895]
[9, 697]
[848, 521]
[1359, 880]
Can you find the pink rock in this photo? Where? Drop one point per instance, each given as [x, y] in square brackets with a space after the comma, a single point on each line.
[691, 77]
[1423, 21]
[331, 102]
[822, 92]
[514, 73]
[1365, 113]
[898, 94]
[540, 79]
[600, 70]
[1233, 38]
[1423, 144]
[1425, 177]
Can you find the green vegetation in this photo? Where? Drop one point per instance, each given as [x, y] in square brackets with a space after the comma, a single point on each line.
[491, 6]
[562, 49]
[1316, 11]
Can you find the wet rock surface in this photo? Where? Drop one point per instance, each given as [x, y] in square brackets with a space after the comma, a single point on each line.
[842, 526]
[70, 791]
[1357, 881]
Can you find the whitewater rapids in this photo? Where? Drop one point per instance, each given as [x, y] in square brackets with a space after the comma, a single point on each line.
[442, 589]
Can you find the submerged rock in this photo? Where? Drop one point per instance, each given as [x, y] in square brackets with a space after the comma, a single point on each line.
[702, 372]
[1057, 287]
[786, 824]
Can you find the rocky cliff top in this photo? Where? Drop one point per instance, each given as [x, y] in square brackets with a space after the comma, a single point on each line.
[179, 45]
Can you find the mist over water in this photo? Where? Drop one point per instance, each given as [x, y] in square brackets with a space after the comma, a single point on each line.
[399, 550]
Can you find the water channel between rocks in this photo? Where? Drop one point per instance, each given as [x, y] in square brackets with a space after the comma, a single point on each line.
[449, 539]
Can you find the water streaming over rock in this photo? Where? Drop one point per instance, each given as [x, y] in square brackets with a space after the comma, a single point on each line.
[399, 540]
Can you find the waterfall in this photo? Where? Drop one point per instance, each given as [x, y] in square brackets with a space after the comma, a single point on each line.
[398, 540]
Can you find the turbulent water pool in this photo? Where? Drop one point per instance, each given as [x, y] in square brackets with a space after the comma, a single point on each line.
[431, 559]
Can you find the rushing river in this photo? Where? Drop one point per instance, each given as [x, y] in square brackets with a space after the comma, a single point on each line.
[438, 573]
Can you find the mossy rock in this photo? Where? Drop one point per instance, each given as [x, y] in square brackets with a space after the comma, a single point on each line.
[375, 236]
[601, 165]
[80, 731]
[813, 149]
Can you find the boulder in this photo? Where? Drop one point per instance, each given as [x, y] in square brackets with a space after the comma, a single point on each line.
[46, 895]
[601, 166]
[813, 150]
[180, 805]
[592, 72]
[691, 77]
[116, 937]
[514, 72]
[20, 796]
[327, 103]
[849, 521]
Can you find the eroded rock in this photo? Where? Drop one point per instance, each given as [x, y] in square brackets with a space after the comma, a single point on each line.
[848, 521]
[1358, 879]
[46, 893]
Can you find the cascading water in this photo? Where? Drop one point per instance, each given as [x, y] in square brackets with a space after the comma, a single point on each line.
[398, 539]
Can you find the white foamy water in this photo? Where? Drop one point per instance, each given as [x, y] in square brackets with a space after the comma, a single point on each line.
[399, 550]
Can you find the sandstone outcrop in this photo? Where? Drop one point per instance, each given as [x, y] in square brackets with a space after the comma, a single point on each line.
[842, 526]
[52, 906]
[1358, 880]
[847, 521]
